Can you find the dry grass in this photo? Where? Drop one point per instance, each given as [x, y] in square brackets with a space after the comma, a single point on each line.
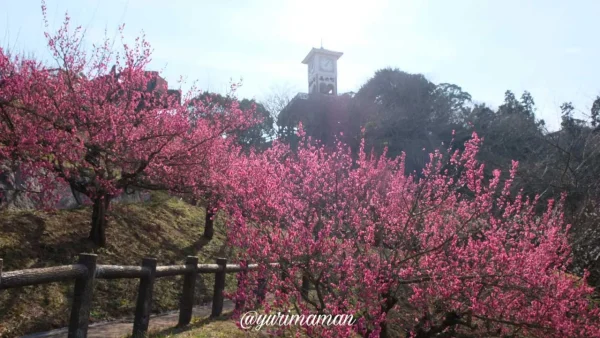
[206, 327]
[166, 228]
[222, 327]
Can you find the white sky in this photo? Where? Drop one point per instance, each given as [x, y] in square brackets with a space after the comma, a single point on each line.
[549, 48]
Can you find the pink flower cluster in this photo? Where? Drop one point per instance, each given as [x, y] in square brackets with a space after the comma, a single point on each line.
[445, 252]
[100, 121]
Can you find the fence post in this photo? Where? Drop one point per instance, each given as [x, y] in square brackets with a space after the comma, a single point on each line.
[217, 305]
[144, 299]
[82, 297]
[241, 279]
[305, 285]
[284, 276]
[186, 303]
[262, 288]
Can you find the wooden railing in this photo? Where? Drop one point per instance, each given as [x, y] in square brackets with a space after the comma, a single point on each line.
[86, 271]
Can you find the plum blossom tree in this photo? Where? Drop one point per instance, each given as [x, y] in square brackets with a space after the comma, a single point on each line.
[444, 254]
[101, 122]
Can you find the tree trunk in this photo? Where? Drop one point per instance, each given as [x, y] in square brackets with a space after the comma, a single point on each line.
[209, 229]
[384, 333]
[76, 192]
[390, 302]
[98, 231]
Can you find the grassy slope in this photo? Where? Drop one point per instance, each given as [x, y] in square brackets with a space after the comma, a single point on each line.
[223, 327]
[166, 228]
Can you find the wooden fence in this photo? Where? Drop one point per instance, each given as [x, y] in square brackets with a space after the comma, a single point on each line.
[86, 271]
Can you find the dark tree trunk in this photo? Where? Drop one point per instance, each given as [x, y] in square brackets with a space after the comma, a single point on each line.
[75, 193]
[384, 333]
[98, 231]
[390, 302]
[209, 229]
[450, 321]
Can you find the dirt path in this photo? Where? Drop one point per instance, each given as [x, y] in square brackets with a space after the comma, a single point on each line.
[120, 329]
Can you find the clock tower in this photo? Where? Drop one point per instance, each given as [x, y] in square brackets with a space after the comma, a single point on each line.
[322, 71]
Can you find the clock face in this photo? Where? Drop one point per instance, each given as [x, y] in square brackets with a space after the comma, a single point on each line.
[326, 64]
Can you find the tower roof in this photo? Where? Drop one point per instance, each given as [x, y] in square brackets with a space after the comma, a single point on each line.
[321, 50]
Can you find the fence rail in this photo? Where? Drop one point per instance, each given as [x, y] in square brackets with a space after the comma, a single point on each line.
[86, 271]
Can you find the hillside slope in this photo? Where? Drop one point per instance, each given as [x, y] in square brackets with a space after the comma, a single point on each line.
[165, 227]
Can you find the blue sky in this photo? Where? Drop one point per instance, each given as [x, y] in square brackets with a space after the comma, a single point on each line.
[549, 48]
